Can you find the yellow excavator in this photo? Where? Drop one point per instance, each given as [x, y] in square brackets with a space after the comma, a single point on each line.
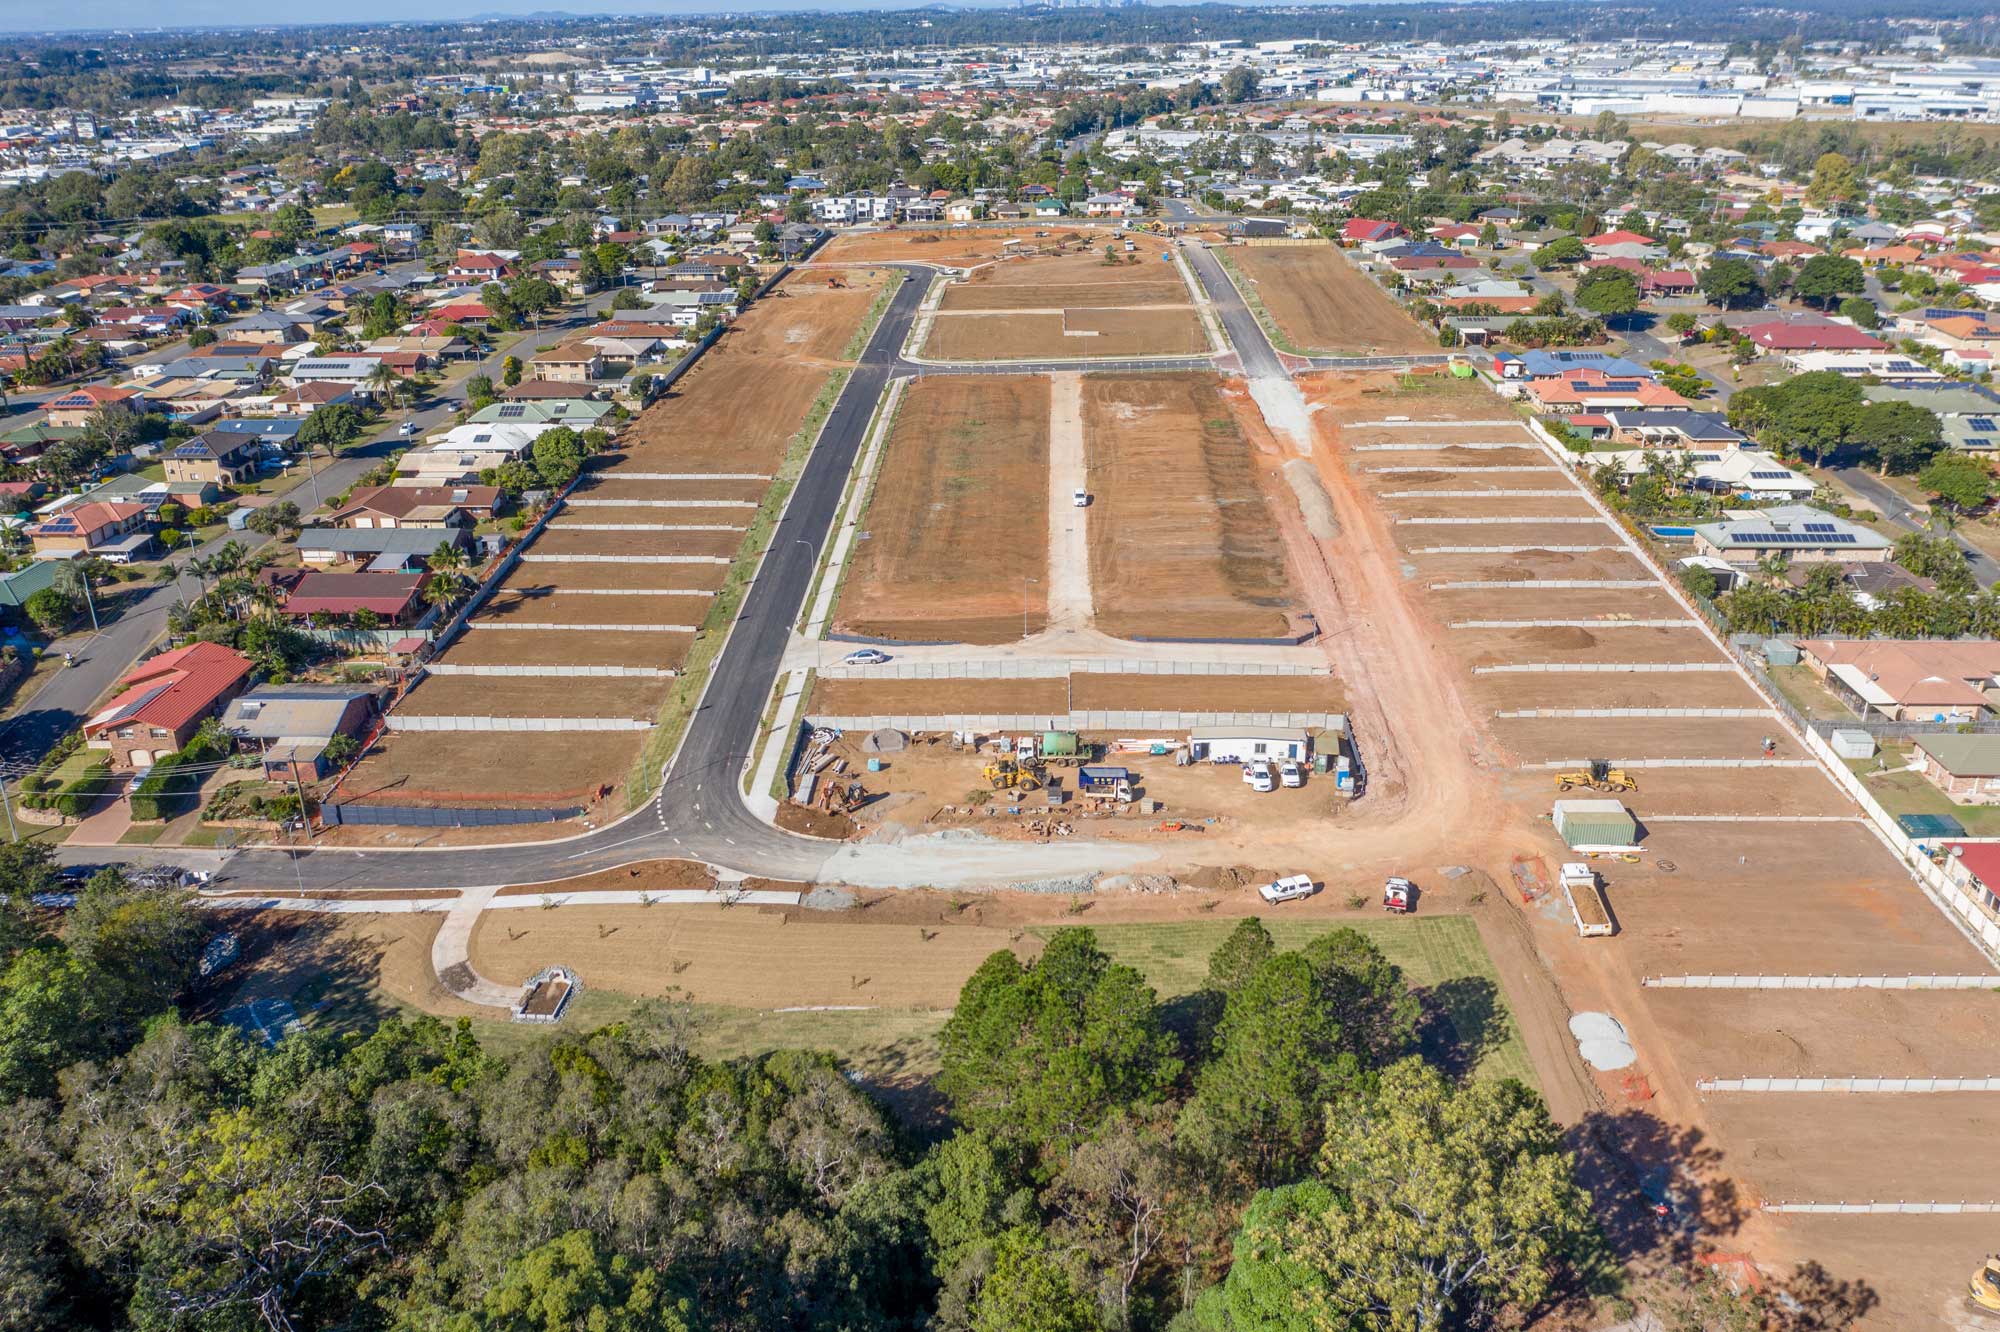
[1983, 1294]
[1007, 775]
[1600, 777]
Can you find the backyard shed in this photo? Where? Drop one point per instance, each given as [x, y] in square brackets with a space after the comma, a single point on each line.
[1596, 825]
[1780, 653]
[1851, 744]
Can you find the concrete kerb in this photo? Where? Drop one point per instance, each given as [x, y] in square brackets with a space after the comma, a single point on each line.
[1723, 982]
[777, 745]
[1050, 668]
[1849, 1085]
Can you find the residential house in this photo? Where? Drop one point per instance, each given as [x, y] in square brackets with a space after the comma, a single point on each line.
[382, 549]
[1965, 767]
[1895, 680]
[480, 266]
[76, 407]
[418, 506]
[1968, 415]
[570, 363]
[1809, 334]
[218, 458]
[1362, 230]
[162, 702]
[395, 599]
[1595, 391]
[292, 724]
[110, 531]
[1799, 531]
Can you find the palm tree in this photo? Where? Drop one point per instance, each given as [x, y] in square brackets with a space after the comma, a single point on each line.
[441, 589]
[447, 556]
[167, 572]
[382, 382]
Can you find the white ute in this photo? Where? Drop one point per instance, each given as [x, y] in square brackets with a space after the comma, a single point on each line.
[1291, 774]
[1080, 498]
[1257, 776]
[1291, 888]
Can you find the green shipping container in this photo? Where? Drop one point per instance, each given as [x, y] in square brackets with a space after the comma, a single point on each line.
[1059, 744]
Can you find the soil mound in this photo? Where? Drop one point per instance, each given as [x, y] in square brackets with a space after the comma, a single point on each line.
[1560, 636]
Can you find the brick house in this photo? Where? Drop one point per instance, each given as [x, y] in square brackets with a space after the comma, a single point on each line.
[218, 458]
[162, 702]
[100, 527]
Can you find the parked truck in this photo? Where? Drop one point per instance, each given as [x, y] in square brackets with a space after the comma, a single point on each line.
[1587, 906]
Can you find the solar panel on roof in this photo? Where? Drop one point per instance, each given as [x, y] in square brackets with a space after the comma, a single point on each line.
[1821, 527]
[1769, 476]
[1980, 425]
[511, 411]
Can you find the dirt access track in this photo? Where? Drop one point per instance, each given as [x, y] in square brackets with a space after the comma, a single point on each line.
[959, 511]
[1727, 894]
[1183, 541]
[1323, 305]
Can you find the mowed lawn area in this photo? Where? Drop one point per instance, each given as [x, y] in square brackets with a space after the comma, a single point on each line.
[1441, 957]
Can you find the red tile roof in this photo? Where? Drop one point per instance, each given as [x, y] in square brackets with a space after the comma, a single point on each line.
[174, 688]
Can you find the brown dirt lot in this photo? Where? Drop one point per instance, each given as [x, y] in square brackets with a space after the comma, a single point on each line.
[1030, 337]
[1530, 564]
[1489, 506]
[1444, 457]
[1323, 305]
[1482, 647]
[650, 516]
[1162, 286]
[484, 696]
[1085, 268]
[738, 408]
[1752, 792]
[1459, 405]
[498, 770]
[559, 541]
[685, 608]
[1890, 1033]
[1099, 691]
[582, 575]
[1533, 739]
[852, 698]
[611, 486]
[832, 308]
[1691, 689]
[1494, 483]
[957, 247]
[1558, 603]
[1183, 541]
[960, 507]
[576, 647]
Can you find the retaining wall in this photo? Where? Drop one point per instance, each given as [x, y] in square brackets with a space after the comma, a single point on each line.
[1046, 668]
[1147, 722]
[1990, 982]
[401, 723]
[1865, 1086]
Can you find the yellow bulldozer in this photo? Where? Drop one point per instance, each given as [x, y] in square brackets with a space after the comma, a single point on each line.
[1982, 1295]
[1007, 775]
[1600, 776]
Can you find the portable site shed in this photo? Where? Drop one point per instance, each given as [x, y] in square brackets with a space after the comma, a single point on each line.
[1596, 825]
[1243, 744]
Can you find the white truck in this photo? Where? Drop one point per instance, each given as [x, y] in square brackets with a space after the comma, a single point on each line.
[1587, 906]
[1291, 888]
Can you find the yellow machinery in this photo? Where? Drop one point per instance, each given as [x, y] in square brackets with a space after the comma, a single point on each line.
[1601, 777]
[1007, 775]
[1983, 1294]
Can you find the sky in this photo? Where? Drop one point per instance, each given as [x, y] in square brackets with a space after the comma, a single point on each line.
[87, 15]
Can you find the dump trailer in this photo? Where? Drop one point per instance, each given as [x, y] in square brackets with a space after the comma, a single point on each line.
[1587, 906]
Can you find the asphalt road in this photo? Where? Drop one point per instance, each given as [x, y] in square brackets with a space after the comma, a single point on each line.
[1899, 513]
[699, 811]
[1253, 349]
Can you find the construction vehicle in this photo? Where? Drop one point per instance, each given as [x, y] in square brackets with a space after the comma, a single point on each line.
[1062, 748]
[1982, 1295]
[1601, 776]
[1587, 906]
[1007, 775]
